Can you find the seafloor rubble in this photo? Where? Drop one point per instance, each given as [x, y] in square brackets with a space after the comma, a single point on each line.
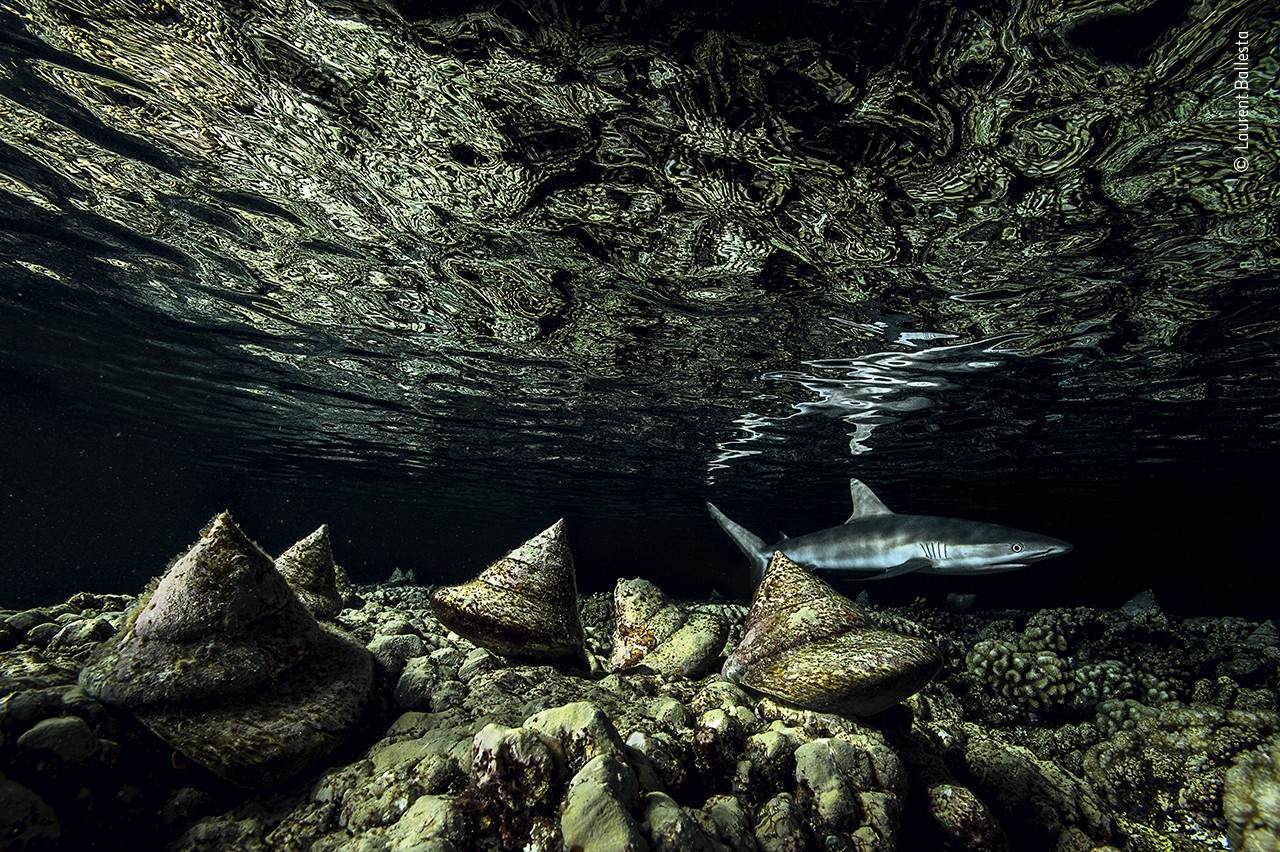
[1067, 729]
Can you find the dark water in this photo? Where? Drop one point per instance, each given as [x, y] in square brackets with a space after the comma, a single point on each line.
[439, 274]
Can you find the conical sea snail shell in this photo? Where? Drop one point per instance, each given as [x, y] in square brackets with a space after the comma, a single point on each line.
[651, 630]
[523, 605]
[812, 647]
[308, 567]
[195, 659]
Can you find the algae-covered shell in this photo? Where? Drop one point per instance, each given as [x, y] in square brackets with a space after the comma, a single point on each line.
[810, 646]
[220, 620]
[664, 637]
[225, 664]
[262, 739]
[523, 605]
[309, 569]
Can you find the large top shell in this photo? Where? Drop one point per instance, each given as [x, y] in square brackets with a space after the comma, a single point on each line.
[224, 663]
[791, 607]
[220, 620]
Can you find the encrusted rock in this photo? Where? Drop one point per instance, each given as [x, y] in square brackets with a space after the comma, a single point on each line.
[767, 762]
[64, 739]
[516, 764]
[780, 826]
[719, 694]
[730, 822]
[23, 708]
[582, 731]
[810, 646]
[22, 621]
[224, 663]
[416, 684]
[81, 632]
[963, 821]
[671, 829]
[1251, 800]
[475, 663]
[661, 756]
[393, 652]
[834, 772]
[308, 568]
[664, 637]
[430, 819]
[42, 634]
[26, 821]
[523, 605]
[1037, 801]
[597, 810]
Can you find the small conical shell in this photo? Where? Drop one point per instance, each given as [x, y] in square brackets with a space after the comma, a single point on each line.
[308, 567]
[523, 605]
[812, 647]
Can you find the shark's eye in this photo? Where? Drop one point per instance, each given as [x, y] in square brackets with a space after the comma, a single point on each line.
[1017, 548]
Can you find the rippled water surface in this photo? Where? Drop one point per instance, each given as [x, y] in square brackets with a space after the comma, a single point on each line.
[627, 256]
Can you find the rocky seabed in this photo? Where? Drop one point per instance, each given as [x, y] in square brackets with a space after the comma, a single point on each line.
[243, 702]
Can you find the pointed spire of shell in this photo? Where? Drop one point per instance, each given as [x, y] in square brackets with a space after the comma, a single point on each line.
[523, 605]
[810, 646]
[205, 589]
[308, 567]
[792, 606]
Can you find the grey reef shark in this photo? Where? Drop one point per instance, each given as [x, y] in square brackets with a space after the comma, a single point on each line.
[877, 543]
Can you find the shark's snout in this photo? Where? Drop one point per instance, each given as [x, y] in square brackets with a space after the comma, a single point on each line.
[1048, 547]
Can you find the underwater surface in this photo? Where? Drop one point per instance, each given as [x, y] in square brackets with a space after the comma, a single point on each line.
[438, 274]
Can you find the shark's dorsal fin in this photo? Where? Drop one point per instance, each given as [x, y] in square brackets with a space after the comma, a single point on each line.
[865, 502]
[784, 535]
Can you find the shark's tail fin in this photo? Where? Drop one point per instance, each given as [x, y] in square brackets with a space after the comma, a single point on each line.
[748, 542]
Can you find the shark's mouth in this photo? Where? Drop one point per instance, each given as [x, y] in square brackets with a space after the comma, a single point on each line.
[1000, 567]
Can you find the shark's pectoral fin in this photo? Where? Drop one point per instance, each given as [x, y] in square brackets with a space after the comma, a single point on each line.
[905, 568]
[865, 502]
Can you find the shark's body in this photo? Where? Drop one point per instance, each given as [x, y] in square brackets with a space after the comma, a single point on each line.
[876, 543]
